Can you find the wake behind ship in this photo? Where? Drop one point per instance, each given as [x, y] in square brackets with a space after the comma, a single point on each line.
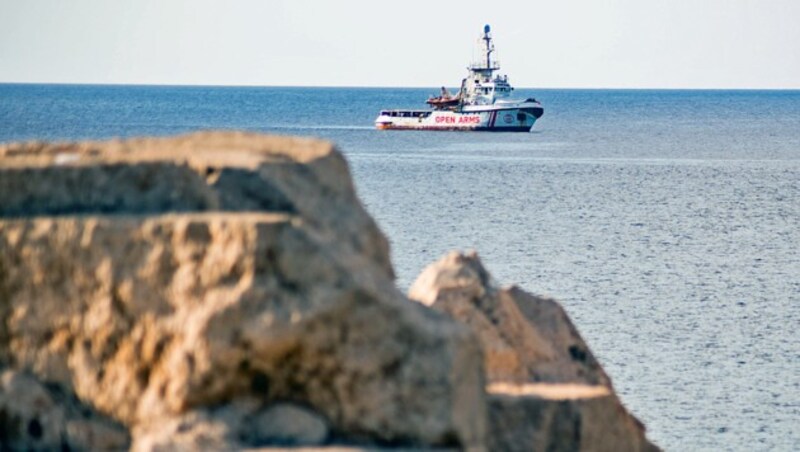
[483, 103]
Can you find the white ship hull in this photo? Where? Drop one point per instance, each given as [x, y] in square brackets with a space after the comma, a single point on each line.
[496, 118]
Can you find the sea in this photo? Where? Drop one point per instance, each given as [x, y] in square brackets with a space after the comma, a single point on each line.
[667, 222]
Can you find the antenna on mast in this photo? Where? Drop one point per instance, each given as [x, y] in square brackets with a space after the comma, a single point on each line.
[483, 63]
[489, 48]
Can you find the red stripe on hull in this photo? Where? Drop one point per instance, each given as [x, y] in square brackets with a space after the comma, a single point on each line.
[460, 129]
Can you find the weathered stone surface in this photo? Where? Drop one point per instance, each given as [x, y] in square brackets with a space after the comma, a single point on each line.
[191, 431]
[223, 291]
[156, 316]
[288, 424]
[526, 338]
[157, 319]
[234, 426]
[37, 417]
[547, 391]
[205, 171]
[567, 418]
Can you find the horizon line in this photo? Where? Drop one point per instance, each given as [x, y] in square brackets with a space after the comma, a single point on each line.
[586, 88]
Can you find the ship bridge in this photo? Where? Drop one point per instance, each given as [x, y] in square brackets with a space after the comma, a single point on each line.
[481, 87]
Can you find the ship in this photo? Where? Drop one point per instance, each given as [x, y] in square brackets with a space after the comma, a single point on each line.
[483, 103]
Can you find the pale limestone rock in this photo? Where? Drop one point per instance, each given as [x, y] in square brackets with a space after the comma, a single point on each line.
[554, 417]
[220, 291]
[546, 391]
[204, 171]
[161, 319]
[191, 431]
[216, 268]
[526, 338]
[234, 426]
[37, 417]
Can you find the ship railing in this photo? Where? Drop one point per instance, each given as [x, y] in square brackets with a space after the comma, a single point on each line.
[481, 66]
[405, 113]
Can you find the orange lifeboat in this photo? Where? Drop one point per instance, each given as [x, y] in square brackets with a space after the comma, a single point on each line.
[444, 101]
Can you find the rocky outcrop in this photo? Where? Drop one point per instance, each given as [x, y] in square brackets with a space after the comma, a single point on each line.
[222, 291]
[546, 390]
[526, 338]
[201, 172]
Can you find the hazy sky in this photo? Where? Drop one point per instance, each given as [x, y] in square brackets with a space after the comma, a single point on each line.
[541, 43]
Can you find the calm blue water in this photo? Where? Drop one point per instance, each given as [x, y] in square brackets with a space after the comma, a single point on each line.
[667, 222]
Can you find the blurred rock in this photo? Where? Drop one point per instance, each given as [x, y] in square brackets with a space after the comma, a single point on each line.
[34, 416]
[562, 417]
[204, 171]
[169, 282]
[235, 425]
[288, 424]
[547, 391]
[224, 291]
[526, 338]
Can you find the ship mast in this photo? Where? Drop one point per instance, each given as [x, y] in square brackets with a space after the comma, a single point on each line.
[486, 67]
[488, 45]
